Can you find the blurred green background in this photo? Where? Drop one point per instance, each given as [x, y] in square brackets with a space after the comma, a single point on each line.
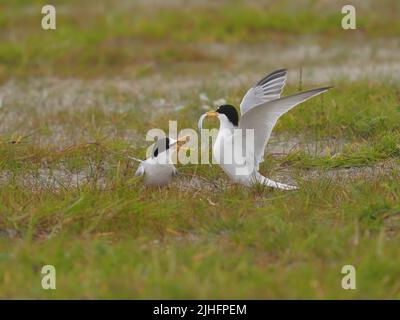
[126, 37]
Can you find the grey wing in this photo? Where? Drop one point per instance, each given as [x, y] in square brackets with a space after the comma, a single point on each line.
[139, 171]
[267, 89]
[262, 119]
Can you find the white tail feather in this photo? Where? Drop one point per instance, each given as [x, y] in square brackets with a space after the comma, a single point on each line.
[270, 183]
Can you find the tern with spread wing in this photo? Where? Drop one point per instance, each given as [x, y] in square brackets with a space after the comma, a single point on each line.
[158, 169]
[260, 109]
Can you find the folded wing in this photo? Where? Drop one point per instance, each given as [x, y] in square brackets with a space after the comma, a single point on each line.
[139, 171]
[263, 117]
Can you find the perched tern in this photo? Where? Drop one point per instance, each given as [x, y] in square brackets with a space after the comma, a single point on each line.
[159, 169]
[260, 109]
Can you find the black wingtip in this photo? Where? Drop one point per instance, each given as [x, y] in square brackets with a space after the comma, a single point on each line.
[320, 89]
[280, 70]
[326, 88]
[271, 76]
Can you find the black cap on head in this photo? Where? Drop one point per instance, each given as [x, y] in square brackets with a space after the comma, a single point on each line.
[230, 112]
[160, 146]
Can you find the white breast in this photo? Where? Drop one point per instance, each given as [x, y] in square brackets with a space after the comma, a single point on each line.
[225, 154]
[157, 174]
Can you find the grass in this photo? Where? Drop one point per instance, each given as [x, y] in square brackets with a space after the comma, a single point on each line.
[110, 237]
[134, 243]
[69, 198]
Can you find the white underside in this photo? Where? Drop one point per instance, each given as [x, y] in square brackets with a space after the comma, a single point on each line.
[240, 169]
[156, 173]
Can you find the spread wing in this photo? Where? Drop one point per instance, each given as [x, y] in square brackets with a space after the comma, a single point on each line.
[267, 89]
[262, 118]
